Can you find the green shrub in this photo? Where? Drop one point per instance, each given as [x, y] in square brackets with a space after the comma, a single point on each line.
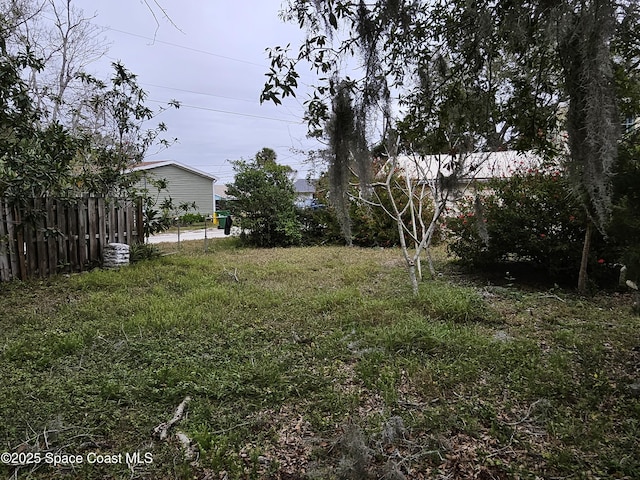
[624, 230]
[143, 251]
[531, 217]
[156, 221]
[264, 204]
[191, 218]
[371, 226]
[319, 226]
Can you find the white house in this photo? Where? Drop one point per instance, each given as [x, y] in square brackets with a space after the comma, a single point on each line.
[480, 166]
[185, 184]
[305, 190]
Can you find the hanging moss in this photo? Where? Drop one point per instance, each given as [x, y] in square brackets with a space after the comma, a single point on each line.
[592, 122]
[341, 133]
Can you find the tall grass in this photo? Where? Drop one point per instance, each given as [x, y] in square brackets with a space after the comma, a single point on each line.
[281, 350]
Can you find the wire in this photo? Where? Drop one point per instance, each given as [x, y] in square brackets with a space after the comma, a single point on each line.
[233, 113]
[154, 40]
[199, 93]
[213, 95]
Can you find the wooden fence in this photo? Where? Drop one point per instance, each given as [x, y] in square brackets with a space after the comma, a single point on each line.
[49, 236]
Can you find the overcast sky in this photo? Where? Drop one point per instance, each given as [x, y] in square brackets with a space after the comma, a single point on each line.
[214, 65]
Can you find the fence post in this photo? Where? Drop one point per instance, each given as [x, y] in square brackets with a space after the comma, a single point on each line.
[140, 221]
[130, 213]
[52, 235]
[27, 227]
[121, 222]
[102, 227]
[72, 219]
[82, 232]
[62, 217]
[39, 222]
[92, 222]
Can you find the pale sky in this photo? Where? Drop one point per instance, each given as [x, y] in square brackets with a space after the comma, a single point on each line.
[214, 66]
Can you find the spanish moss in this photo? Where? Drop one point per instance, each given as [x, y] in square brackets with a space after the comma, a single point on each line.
[593, 118]
[341, 133]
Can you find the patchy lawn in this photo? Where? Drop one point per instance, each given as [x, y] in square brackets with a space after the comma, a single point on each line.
[313, 363]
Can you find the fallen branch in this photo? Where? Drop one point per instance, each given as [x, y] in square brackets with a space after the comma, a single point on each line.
[233, 275]
[162, 430]
[551, 295]
[190, 450]
[527, 415]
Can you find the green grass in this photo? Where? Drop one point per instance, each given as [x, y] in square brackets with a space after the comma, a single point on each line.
[316, 363]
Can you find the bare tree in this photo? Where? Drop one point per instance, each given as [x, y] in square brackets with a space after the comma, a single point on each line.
[66, 41]
[14, 14]
[427, 182]
[158, 12]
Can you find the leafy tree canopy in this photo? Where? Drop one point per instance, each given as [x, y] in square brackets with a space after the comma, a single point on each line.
[264, 201]
[455, 77]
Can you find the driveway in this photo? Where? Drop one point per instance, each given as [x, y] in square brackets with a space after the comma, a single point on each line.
[186, 234]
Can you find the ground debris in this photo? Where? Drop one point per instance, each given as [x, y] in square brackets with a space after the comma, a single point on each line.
[162, 430]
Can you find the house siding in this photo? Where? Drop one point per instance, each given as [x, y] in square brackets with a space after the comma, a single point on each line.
[183, 186]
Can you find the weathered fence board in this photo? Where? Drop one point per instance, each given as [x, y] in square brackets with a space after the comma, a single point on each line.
[50, 235]
[93, 226]
[102, 225]
[46, 236]
[5, 258]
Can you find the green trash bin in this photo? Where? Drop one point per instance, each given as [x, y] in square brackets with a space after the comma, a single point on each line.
[222, 217]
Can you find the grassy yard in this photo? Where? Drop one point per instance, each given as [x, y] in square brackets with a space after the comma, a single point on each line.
[313, 363]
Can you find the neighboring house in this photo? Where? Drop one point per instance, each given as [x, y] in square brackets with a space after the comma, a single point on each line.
[220, 192]
[471, 170]
[305, 190]
[478, 167]
[185, 184]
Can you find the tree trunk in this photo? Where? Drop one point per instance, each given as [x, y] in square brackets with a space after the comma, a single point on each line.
[414, 225]
[432, 269]
[582, 276]
[413, 278]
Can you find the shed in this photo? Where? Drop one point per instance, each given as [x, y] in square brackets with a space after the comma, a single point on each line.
[185, 184]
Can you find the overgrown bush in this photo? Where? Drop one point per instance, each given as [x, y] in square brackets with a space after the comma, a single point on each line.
[320, 226]
[371, 226]
[625, 226]
[531, 217]
[143, 251]
[264, 204]
[156, 218]
[191, 218]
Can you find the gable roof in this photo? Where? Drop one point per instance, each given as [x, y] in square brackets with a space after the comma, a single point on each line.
[302, 185]
[146, 166]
